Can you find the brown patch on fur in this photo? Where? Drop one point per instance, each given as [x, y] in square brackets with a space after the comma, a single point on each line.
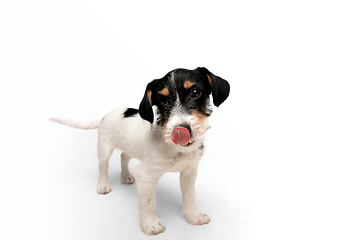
[188, 84]
[165, 92]
[209, 78]
[149, 93]
[200, 118]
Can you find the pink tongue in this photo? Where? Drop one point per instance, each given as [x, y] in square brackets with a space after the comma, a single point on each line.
[180, 136]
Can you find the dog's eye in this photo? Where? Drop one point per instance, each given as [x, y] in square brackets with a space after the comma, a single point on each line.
[195, 93]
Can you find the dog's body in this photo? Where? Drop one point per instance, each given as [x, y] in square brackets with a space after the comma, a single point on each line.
[173, 144]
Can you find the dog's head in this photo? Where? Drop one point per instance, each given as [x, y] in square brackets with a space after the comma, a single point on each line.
[182, 101]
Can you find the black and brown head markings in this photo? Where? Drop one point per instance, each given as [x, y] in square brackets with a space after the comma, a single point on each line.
[188, 84]
[183, 90]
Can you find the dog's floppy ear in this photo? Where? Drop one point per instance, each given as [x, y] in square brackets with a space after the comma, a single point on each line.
[220, 88]
[145, 108]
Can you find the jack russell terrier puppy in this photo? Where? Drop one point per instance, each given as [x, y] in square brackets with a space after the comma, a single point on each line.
[174, 143]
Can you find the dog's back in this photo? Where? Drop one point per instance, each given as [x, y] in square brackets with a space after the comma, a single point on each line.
[124, 131]
[122, 128]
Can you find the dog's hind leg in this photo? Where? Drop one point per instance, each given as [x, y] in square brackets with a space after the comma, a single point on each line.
[104, 153]
[126, 177]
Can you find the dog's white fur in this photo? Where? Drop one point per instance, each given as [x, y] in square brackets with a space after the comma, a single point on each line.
[158, 154]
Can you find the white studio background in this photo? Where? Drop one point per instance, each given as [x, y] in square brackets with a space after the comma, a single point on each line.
[282, 157]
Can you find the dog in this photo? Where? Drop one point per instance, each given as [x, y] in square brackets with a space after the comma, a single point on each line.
[173, 143]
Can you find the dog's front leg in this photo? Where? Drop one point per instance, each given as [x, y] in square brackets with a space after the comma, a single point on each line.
[192, 214]
[146, 181]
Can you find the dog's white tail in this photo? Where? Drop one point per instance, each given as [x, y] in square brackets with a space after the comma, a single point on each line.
[75, 124]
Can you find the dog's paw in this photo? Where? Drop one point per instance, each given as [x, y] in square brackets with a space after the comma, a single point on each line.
[196, 217]
[104, 188]
[127, 179]
[152, 226]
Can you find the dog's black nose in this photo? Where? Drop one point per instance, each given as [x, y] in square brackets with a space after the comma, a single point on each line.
[187, 126]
